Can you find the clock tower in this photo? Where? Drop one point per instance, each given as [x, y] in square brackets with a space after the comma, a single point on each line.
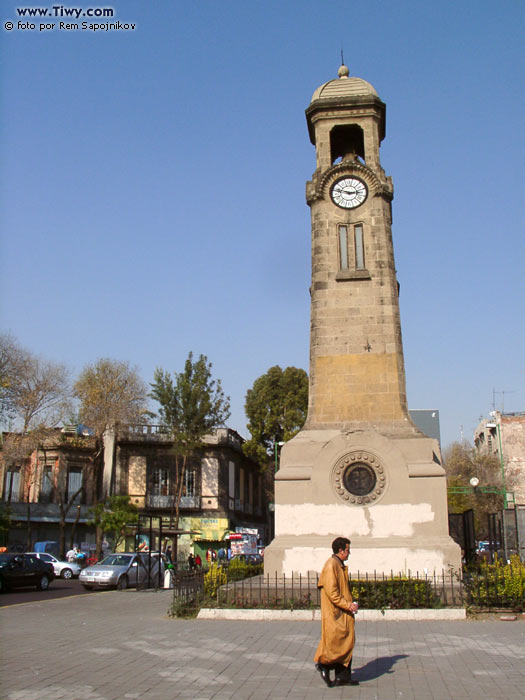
[359, 468]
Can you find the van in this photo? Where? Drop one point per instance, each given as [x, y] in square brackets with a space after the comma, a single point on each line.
[47, 546]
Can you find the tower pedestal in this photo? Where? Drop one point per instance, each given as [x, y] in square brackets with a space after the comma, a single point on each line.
[401, 526]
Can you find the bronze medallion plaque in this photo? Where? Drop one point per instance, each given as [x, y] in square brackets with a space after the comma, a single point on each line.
[359, 478]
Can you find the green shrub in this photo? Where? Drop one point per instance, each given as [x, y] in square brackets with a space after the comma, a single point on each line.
[498, 585]
[213, 579]
[397, 592]
[238, 570]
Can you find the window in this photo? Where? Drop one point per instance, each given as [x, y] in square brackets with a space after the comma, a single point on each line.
[231, 480]
[160, 483]
[247, 488]
[12, 485]
[237, 483]
[359, 247]
[343, 246]
[351, 252]
[74, 483]
[189, 483]
[241, 485]
[47, 484]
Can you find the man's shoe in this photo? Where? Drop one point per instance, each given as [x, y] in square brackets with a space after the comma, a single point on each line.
[325, 674]
[345, 681]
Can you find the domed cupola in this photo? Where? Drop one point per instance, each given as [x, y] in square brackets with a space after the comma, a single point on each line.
[355, 115]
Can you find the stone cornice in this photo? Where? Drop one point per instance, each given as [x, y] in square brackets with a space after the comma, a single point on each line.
[338, 104]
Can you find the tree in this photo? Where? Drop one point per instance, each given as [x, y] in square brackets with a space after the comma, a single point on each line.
[192, 404]
[276, 408]
[33, 391]
[10, 356]
[462, 462]
[112, 515]
[111, 393]
[65, 502]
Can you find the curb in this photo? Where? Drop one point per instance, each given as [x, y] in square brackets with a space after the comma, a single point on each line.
[315, 615]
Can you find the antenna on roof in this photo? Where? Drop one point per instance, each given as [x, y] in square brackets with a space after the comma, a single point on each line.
[342, 59]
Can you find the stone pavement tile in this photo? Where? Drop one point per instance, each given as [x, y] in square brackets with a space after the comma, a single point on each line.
[142, 654]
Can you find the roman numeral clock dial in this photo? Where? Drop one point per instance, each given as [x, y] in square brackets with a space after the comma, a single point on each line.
[348, 192]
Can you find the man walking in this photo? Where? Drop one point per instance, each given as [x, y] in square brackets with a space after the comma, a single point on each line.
[337, 618]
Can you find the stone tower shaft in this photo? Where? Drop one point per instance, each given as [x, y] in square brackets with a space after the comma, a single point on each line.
[356, 355]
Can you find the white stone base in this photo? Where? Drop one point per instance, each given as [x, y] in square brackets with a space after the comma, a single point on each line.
[408, 556]
[315, 615]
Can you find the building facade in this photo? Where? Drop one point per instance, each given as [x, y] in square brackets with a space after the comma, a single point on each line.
[223, 490]
[503, 435]
[47, 487]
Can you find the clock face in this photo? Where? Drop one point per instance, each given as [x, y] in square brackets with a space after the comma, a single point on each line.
[349, 192]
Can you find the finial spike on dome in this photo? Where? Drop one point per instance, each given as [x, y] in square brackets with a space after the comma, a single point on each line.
[343, 71]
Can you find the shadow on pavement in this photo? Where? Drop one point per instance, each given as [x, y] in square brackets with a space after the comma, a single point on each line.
[377, 667]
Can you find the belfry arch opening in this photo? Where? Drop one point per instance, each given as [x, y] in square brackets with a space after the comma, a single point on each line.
[347, 142]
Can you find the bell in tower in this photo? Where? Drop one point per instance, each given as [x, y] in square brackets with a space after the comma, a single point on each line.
[359, 468]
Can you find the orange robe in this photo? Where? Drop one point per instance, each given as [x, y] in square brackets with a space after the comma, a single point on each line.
[337, 621]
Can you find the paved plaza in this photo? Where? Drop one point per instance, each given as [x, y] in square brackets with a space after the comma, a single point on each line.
[121, 645]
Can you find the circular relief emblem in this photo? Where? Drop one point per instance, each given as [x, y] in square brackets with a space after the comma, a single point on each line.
[358, 478]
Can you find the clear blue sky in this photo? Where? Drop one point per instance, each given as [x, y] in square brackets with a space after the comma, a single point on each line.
[153, 186]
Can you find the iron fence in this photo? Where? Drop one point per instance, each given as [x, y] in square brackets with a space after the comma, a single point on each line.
[481, 586]
[188, 585]
[371, 590]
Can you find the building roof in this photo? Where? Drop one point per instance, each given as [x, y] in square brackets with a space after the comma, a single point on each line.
[343, 86]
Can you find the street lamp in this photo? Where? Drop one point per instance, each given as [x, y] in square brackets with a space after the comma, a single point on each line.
[475, 488]
[276, 446]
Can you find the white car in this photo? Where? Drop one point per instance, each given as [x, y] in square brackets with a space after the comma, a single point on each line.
[63, 569]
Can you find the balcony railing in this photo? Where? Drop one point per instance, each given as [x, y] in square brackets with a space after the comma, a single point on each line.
[145, 432]
[169, 501]
[150, 432]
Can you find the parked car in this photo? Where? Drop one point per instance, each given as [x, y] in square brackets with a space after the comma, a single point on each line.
[124, 569]
[62, 569]
[24, 570]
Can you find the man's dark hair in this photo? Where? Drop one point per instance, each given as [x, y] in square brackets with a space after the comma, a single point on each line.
[339, 544]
